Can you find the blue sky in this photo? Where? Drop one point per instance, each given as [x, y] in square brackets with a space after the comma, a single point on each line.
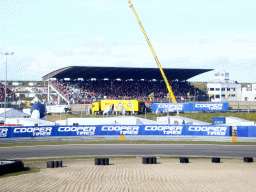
[48, 35]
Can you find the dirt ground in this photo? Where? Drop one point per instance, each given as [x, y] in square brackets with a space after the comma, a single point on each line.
[131, 175]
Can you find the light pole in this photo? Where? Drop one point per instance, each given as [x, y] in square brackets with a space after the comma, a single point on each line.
[6, 54]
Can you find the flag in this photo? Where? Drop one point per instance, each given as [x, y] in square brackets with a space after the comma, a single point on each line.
[151, 95]
[188, 94]
[110, 110]
[228, 95]
[211, 96]
[106, 110]
[123, 109]
[181, 98]
[115, 109]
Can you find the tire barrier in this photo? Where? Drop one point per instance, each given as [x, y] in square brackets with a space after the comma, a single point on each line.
[184, 160]
[248, 159]
[54, 164]
[101, 161]
[50, 164]
[10, 166]
[215, 160]
[106, 161]
[149, 160]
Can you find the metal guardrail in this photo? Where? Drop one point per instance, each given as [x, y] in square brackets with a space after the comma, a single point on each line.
[58, 91]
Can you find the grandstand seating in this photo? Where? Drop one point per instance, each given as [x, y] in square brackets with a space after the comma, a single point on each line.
[10, 95]
[83, 91]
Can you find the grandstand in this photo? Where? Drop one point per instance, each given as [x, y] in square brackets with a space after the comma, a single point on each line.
[120, 83]
[10, 95]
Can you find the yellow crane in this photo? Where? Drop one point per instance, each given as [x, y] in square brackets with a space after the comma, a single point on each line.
[157, 61]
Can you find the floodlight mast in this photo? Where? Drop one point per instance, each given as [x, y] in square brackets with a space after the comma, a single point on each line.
[152, 50]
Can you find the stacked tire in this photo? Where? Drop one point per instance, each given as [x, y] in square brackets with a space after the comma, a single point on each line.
[215, 160]
[54, 164]
[149, 160]
[248, 159]
[184, 160]
[101, 161]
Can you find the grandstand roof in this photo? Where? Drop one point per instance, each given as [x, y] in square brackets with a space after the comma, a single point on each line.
[88, 72]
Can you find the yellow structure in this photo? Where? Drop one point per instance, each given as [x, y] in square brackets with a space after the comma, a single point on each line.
[152, 50]
[122, 137]
[234, 139]
[95, 107]
[116, 105]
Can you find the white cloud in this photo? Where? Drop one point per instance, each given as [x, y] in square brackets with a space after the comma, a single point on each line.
[236, 58]
[101, 38]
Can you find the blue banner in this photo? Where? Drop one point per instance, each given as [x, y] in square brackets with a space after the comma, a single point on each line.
[246, 131]
[101, 130]
[164, 107]
[218, 120]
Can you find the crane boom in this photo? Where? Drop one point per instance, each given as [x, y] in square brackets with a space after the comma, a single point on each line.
[152, 50]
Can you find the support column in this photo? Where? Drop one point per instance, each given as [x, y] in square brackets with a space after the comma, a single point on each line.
[49, 93]
[58, 99]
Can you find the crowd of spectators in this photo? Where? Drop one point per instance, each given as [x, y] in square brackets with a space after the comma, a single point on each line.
[81, 91]
[10, 95]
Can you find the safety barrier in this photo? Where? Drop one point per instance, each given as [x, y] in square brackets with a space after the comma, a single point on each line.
[149, 160]
[246, 131]
[101, 161]
[215, 160]
[54, 164]
[164, 107]
[105, 130]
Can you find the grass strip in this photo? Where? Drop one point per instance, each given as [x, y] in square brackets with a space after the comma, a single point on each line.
[123, 142]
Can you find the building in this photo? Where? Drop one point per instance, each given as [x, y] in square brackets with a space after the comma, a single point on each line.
[221, 89]
[17, 83]
[32, 84]
[249, 93]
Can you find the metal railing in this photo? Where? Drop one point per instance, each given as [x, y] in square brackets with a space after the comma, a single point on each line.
[58, 91]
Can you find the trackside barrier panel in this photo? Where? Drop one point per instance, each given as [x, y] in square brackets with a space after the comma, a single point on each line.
[164, 107]
[246, 131]
[104, 130]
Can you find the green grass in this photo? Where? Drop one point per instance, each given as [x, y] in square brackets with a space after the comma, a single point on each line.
[124, 142]
[26, 171]
[201, 85]
[206, 117]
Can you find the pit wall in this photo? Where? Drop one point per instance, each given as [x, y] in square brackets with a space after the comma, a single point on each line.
[115, 130]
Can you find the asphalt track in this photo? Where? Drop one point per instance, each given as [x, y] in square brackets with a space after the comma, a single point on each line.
[177, 150]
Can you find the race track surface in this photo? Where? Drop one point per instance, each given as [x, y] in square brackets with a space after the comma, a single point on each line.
[127, 149]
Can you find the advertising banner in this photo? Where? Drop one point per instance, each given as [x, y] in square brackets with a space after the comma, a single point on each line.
[101, 130]
[218, 120]
[75, 130]
[246, 131]
[207, 130]
[164, 107]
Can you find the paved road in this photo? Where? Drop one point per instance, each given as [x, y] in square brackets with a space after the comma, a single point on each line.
[128, 149]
